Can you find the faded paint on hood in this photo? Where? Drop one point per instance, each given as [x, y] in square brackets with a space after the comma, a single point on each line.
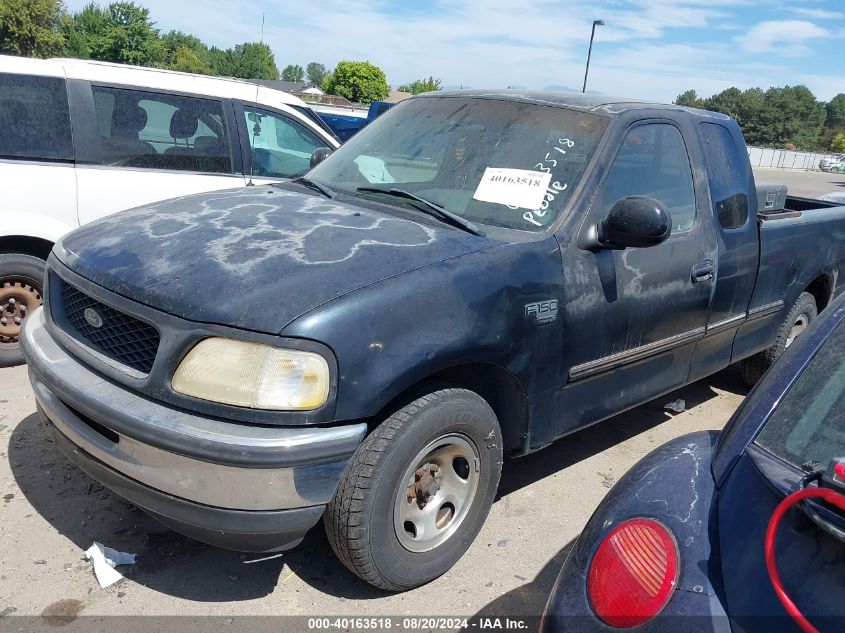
[255, 257]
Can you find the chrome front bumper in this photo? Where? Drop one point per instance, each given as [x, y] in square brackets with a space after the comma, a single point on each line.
[187, 458]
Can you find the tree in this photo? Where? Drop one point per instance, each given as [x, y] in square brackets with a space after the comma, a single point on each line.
[122, 33]
[835, 111]
[188, 61]
[31, 27]
[791, 115]
[421, 85]
[186, 53]
[689, 99]
[360, 82]
[251, 60]
[293, 73]
[316, 73]
[838, 143]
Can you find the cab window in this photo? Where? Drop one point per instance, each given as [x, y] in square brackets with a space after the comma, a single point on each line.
[281, 147]
[161, 131]
[653, 163]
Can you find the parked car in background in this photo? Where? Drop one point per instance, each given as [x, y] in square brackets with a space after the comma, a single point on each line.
[80, 140]
[679, 543]
[473, 274]
[347, 121]
[830, 163]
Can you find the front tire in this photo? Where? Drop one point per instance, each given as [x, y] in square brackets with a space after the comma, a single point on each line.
[418, 489]
[803, 313]
[21, 288]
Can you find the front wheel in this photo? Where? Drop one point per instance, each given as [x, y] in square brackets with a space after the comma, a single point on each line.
[21, 281]
[803, 313]
[418, 489]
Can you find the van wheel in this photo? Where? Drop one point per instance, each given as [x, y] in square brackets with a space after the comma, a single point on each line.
[418, 489]
[803, 313]
[21, 284]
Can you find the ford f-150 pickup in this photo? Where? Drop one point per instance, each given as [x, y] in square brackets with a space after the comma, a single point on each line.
[473, 275]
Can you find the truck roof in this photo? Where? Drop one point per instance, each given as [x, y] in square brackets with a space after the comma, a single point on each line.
[590, 102]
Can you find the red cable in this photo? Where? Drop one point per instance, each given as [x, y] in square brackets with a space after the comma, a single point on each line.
[826, 494]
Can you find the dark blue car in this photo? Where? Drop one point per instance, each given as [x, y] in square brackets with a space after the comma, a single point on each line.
[679, 543]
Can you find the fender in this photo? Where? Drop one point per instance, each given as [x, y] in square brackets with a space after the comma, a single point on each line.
[27, 224]
[392, 334]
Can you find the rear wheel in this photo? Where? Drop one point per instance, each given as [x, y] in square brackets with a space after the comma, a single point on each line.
[803, 313]
[418, 489]
[21, 287]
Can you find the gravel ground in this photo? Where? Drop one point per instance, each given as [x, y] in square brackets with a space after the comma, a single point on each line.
[50, 513]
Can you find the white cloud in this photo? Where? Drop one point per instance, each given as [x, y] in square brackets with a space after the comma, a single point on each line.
[818, 14]
[786, 38]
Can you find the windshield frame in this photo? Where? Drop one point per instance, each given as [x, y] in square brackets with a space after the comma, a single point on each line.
[512, 233]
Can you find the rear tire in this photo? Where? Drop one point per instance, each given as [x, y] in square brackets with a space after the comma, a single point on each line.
[377, 521]
[21, 289]
[802, 314]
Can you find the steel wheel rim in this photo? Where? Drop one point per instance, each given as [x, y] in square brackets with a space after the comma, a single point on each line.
[797, 328]
[457, 462]
[19, 297]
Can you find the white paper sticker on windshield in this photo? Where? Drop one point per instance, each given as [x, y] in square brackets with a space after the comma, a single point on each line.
[513, 187]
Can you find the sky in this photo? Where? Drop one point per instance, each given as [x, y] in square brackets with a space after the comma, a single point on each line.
[648, 49]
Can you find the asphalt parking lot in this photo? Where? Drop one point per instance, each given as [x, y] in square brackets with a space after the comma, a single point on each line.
[50, 513]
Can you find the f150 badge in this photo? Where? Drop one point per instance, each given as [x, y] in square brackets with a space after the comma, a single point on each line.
[542, 312]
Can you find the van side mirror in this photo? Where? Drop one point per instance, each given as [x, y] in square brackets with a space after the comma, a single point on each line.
[319, 155]
[635, 222]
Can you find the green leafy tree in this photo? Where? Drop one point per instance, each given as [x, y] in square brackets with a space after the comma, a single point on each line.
[122, 33]
[187, 60]
[838, 142]
[360, 82]
[316, 73]
[835, 111]
[421, 85]
[186, 53]
[689, 99]
[293, 72]
[791, 115]
[31, 27]
[252, 60]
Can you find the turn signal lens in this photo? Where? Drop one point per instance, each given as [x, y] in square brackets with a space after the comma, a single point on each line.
[633, 573]
[251, 375]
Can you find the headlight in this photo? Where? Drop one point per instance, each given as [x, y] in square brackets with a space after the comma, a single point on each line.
[253, 375]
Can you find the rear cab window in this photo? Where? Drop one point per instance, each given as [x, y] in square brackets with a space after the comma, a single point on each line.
[162, 131]
[34, 118]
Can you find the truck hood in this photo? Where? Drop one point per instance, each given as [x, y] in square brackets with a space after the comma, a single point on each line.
[255, 257]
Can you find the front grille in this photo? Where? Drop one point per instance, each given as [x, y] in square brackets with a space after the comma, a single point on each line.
[121, 337]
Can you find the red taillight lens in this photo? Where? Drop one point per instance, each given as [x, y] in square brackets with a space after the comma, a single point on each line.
[633, 573]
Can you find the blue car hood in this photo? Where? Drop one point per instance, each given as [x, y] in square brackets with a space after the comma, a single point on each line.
[255, 257]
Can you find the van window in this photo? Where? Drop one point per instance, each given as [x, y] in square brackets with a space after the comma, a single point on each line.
[160, 131]
[34, 118]
[728, 177]
[653, 163]
[281, 147]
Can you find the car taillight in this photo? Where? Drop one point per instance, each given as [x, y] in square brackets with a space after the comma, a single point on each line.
[633, 573]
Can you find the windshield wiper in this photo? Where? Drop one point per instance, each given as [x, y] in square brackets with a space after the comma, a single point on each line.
[316, 186]
[432, 208]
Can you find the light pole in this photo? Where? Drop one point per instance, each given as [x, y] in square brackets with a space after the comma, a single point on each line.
[590, 51]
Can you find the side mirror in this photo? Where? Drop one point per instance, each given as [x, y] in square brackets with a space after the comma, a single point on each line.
[319, 155]
[635, 222]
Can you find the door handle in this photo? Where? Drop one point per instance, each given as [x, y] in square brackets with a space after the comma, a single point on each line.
[703, 271]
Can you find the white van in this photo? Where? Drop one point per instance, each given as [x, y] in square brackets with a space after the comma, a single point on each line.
[80, 140]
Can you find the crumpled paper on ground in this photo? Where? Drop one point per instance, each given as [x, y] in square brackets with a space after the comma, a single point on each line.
[678, 406]
[105, 559]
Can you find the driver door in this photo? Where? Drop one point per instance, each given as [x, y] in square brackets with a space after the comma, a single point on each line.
[634, 316]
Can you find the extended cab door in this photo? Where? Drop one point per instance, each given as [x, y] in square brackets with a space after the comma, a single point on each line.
[149, 145]
[634, 316]
[733, 206]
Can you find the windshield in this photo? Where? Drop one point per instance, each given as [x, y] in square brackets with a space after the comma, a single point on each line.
[503, 163]
[809, 424]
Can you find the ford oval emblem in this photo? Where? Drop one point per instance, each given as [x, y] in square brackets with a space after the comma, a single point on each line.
[92, 318]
